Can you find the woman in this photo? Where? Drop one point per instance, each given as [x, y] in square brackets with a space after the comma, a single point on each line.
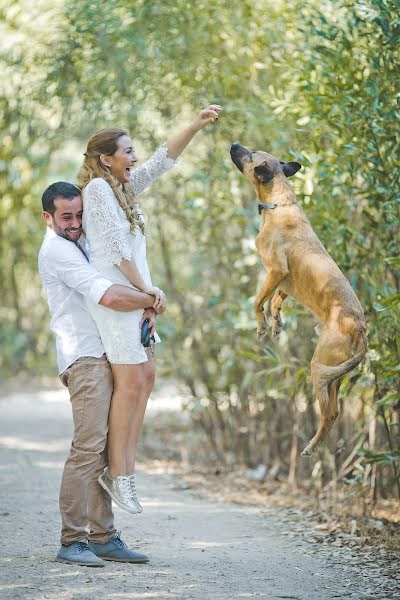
[114, 227]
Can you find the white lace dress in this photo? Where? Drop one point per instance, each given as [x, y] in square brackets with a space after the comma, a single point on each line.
[110, 241]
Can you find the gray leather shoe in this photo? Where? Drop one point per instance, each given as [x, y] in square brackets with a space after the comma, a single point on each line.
[79, 553]
[116, 549]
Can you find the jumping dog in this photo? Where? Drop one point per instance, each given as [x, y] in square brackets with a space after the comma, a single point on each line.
[299, 266]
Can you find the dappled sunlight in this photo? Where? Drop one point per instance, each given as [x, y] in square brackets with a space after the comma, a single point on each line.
[159, 594]
[48, 465]
[201, 545]
[14, 586]
[17, 443]
[163, 504]
[54, 396]
[155, 467]
[252, 594]
[168, 397]
[64, 571]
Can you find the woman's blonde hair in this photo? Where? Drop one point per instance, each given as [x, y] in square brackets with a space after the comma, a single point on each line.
[105, 141]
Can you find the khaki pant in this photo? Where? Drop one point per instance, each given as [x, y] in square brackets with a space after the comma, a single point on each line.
[84, 505]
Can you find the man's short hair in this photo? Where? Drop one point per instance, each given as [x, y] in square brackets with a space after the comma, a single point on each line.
[60, 189]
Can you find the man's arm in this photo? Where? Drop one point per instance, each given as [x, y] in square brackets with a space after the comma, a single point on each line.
[69, 265]
[125, 299]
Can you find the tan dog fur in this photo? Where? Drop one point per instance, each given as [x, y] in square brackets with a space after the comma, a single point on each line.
[299, 266]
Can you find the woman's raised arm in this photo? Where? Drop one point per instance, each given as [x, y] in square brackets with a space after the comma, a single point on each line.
[164, 158]
[177, 144]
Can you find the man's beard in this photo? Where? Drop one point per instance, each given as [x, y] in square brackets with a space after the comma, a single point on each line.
[65, 233]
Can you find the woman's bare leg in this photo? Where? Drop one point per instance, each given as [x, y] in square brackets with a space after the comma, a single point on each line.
[129, 383]
[138, 416]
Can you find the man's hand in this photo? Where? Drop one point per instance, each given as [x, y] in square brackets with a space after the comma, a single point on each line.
[149, 313]
[160, 300]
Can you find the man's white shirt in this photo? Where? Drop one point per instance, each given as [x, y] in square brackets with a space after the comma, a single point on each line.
[68, 278]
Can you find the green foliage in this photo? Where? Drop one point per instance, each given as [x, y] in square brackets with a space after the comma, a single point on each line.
[315, 82]
[381, 458]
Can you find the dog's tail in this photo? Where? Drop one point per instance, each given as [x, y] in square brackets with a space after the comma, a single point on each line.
[329, 374]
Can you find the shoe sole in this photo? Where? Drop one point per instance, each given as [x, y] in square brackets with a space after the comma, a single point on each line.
[117, 502]
[125, 560]
[75, 562]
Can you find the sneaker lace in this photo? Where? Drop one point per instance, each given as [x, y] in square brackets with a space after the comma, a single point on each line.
[125, 488]
[81, 546]
[132, 480]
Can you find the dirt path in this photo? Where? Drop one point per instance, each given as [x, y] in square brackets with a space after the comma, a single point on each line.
[198, 549]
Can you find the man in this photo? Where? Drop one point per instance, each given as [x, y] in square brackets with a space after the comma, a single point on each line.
[68, 278]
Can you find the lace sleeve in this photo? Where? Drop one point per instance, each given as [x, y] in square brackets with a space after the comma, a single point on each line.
[157, 164]
[110, 229]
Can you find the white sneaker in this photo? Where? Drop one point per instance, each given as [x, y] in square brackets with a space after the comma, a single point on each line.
[132, 480]
[120, 491]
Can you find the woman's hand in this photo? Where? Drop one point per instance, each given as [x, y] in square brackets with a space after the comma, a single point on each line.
[160, 299]
[178, 143]
[160, 310]
[208, 115]
[149, 313]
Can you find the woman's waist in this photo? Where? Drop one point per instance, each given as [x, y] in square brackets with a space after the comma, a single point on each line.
[113, 273]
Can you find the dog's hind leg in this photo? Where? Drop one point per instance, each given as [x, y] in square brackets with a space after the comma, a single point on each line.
[333, 394]
[327, 417]
[276, 305]
[332, 350]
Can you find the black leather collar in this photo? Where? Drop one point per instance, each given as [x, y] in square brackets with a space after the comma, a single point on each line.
[262, 206]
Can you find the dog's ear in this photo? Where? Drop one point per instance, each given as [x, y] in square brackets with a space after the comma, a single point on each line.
[290, 168]
[263, 173]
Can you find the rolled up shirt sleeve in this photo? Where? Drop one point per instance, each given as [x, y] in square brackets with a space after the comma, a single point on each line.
[98, 289]
[70, 265]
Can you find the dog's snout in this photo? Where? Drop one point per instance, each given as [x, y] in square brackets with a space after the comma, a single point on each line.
[238, 149]
[238, 153]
